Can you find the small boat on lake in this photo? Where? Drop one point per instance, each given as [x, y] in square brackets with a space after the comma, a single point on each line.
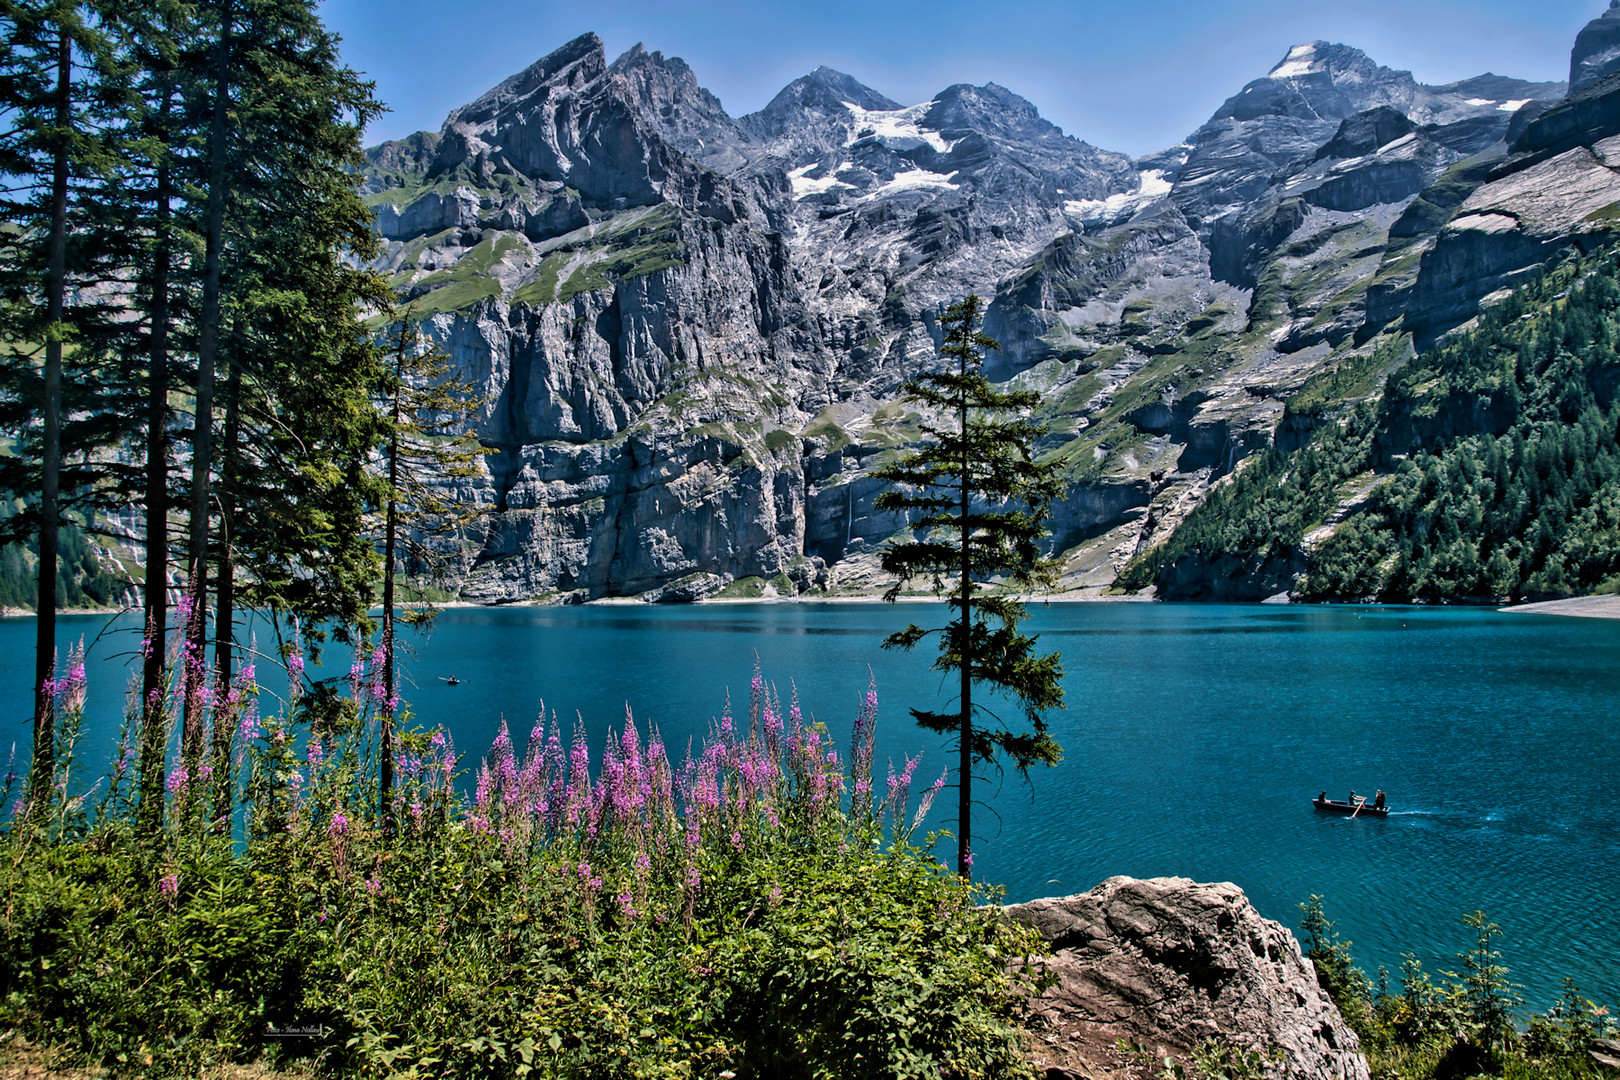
[1358, 808]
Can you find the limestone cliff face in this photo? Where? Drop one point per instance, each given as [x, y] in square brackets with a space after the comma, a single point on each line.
[690, 329]
[1596, 54]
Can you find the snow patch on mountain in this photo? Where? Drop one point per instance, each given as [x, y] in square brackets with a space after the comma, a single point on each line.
[1301, 60]
[1151, 184]
[1514, 106]
[804, 184]
[913, 178]
[897, 129]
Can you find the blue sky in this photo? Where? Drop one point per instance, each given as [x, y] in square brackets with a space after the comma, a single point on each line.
[1134, 76]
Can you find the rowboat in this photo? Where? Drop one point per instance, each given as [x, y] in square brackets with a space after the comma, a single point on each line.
[1359, 808]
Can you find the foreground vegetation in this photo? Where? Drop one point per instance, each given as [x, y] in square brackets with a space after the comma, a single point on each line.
[755, 908]
[1487, 471]
[1462, 1026]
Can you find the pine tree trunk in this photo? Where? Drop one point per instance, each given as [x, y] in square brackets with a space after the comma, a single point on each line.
[385, 776]
[154, 682]
[203, 444]
[42, 772]
[964, 812]
[225, 593]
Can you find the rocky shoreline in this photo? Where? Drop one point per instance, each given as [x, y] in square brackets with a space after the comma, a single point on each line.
[1586, 607]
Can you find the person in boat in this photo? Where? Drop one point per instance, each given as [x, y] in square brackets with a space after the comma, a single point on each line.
[1378, 800]
[1322, 797]
[1352, 797]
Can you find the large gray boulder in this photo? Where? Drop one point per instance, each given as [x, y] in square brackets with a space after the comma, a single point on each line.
[1172, 964]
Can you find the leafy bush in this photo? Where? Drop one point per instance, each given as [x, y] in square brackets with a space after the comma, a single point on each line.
[753, 909]
[1464, 1026]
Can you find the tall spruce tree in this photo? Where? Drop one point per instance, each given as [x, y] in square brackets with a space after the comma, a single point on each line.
[427, 448]
[56, 81]
[298, 369]
[977, 501]
[144, 211]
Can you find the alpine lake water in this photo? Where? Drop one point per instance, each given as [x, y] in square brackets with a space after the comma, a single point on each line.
[1194, 739]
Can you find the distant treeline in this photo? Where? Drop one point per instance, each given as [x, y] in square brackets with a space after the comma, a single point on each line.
[1488, 469]
[81, 578]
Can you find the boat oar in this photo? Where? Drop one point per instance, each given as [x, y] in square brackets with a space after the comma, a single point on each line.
[1359, 805]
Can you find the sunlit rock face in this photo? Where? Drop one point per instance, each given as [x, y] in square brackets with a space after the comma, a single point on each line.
[689, 330]
[1596, 54]
[1170, 964]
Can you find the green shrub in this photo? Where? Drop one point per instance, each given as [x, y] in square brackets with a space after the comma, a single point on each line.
[753, 908]
[1462, 1027]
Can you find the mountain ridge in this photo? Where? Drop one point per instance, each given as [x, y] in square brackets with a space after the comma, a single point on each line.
[692, 327]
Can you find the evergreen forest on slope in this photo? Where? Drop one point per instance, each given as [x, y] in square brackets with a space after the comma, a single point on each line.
[1485, 472]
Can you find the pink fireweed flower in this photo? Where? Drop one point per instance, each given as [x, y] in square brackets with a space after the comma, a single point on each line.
[726, 727]
[927, 801]
[169, 887]
[249, 728]
[73, 687]
[339, 825]
[773, 730]
[177, 781]
[373, 886]
[900, 789]
[579, 778]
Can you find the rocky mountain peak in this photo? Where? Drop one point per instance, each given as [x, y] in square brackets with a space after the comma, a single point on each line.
[1320, 82]
[669, 99]
[1597, 50]
[1337, 62]
[692, 327]
[813, 113]
[990, 109]
[576, 63]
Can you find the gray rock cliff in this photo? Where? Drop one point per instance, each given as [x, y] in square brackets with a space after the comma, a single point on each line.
[691, 329]
[1597, 50]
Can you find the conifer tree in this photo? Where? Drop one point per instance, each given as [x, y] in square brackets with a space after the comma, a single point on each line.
[978, 501]
[54, 81]
[297, 367]
[427, 447]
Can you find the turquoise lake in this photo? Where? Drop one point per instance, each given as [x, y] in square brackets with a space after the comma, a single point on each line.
[1194, 738]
